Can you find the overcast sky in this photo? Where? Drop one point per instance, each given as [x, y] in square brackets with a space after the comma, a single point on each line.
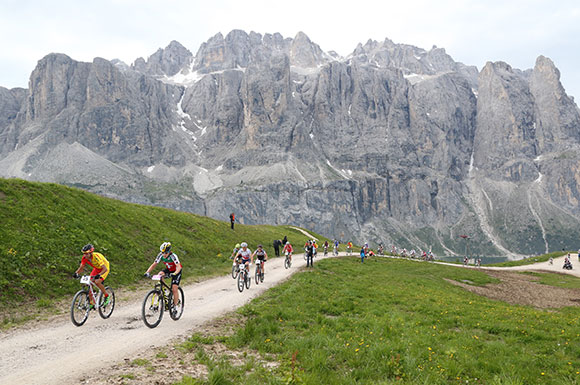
[471, 31]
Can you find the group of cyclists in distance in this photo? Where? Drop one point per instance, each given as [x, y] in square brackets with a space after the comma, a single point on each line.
[241, 255]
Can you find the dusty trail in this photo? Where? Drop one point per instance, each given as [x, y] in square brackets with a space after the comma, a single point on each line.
[59, 352]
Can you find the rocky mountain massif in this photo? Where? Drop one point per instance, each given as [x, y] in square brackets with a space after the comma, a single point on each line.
[392, 143]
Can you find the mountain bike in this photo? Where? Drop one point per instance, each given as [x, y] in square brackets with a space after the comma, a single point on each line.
[244, 279]
[287, 260]
[81, 304]
[259, 275]
[160, 300]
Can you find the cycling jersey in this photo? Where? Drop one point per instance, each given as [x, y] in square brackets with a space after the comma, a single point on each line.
[246, 255]
[97, 261]
[261, 254]
[171, 261]
[288, 248]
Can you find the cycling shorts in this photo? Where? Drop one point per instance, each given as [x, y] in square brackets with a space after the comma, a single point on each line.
[175, 279]
[96, 271]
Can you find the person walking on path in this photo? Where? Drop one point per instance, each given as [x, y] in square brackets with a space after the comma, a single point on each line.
[232, 219]
[310, 254]
[277, 244]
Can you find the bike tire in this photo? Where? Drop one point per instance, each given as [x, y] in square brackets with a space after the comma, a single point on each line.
[248, 281]
[262, 276]
[287, 263]
[181, 304]
[241, 280]
[235, 271]
[257, 274]
[152, 309]
[105, 312]
[80, 308]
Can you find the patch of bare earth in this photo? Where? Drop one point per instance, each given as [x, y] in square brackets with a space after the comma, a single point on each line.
[523, 289]
[168, 365]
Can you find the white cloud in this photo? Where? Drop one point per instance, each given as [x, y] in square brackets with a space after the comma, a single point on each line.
[472, 31]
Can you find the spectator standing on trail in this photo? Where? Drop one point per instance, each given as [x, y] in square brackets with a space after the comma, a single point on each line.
[285, 240]
[277, 244]
[362, 254]
[310, 254]
[232, 219]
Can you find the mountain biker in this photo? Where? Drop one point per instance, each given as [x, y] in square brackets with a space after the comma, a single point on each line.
[288, 249]
[349, 248]
[335, 251]
[315, 246]
[246, 255]
[100, 271]
[261, 256]
[172, 269]
[325, 248]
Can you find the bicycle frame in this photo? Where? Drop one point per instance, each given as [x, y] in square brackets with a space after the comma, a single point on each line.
[163, 287]
[91, 287]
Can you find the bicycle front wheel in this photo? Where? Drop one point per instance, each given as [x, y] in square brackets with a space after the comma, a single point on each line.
[152, 310]
[257, 274]
[106, 311]
[241, 279]
[286, 263]
[177, 310]
[248, 280]
[80, 308]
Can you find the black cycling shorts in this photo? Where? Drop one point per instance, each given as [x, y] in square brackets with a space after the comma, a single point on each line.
[175, 279]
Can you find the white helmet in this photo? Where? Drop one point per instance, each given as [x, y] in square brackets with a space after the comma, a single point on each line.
[244, 244]
[165, 247]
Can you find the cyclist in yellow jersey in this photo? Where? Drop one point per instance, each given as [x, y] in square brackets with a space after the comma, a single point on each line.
[100, 271]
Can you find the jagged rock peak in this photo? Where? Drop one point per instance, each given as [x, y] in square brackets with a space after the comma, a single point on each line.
[165, 62]
[304, 53]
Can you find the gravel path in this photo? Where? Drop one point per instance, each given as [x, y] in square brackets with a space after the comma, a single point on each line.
[57, 352]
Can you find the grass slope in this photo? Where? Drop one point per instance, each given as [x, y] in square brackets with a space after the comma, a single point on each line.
[392, 322]
[44, 226]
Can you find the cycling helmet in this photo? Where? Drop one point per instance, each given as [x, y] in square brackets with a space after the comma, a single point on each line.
[244, 244]
[238, 246]
[88, 248]
[259, 246]
[165, 247]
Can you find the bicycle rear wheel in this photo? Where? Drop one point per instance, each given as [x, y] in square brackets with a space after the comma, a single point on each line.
[80, 308]
[106, 311]
[152, 310]
[235, 271]
[248, 280]
[257, 273]
[241, 279]
[177, 310]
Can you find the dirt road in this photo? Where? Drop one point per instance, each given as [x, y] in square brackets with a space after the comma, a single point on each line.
[60, 353]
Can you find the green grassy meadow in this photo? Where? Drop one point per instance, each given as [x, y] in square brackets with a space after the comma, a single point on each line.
[394, 322]
[44, 226]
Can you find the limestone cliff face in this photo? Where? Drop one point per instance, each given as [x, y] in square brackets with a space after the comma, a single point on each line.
[393, 143]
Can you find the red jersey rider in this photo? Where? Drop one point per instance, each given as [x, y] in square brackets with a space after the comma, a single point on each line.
[100, 271]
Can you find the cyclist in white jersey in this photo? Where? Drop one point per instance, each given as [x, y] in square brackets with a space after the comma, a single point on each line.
[246, 255]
